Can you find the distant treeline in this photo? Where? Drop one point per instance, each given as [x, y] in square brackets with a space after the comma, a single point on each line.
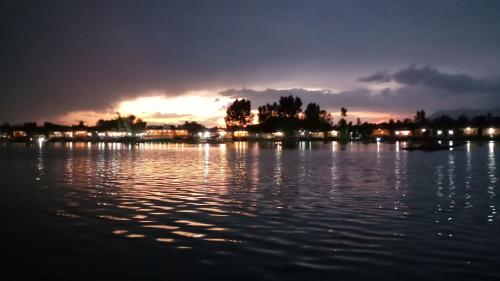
[127, 124]
[286, 115]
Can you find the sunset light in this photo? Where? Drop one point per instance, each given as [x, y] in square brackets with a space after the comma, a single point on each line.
[161, 109]
[277, 140]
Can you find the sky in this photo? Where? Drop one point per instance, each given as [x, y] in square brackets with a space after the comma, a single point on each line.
[175, 61]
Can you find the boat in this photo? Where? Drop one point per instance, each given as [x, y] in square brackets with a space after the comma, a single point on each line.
[433, 146]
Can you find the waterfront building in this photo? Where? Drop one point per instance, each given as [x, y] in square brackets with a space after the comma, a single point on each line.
[55, 135]
[491, 132]
[317, 135]
[442, 133]
[470, 132]
[260, 136]
[240, 134]
[82, 134]
[277, 135]
[381, 133]
[333, 134]
[403, 133]
[19, 134]
[421, 132]
[165, 134]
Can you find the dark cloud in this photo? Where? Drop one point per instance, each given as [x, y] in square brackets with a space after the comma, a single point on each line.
[423, 88]
[59, 56]
[378, 77]
[432, 78]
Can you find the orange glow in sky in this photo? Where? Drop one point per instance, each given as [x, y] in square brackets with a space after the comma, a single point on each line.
[203, 107]
[192, 107]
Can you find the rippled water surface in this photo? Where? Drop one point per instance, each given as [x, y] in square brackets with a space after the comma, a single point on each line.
[247, 211]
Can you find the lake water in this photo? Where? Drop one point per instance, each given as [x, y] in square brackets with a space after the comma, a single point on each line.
[248, 211]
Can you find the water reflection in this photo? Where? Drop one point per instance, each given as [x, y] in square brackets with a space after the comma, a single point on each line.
[309, 208]
[492, 180]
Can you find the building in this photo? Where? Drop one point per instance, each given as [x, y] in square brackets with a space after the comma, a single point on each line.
[422, 132]
[56, 135]
[317, 135]
[40, 138]
[470, 132]
[333, 134]
[82, 134]
[19, 134]
[241, 134]
[225, 135]
[277, 135]
[381, 133]
[403, 133]
[165, 134]
[445, 133]
[491, 132]
[158, 134]
[260, 136]
[77, 135]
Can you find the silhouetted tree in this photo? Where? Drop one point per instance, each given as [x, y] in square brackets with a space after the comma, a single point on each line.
[6, 128]
[289, 107]
[192, 127]
[343, 126]
[462, 121]
[316, 118]
[343, 112]
[239, 114]
[267, 111]
[138, 126]
[30, 127]
[420, 117]
[313, 112]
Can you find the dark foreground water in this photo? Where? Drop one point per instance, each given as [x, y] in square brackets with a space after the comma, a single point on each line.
[248, 211]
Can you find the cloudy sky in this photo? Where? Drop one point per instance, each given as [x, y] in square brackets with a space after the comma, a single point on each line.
[170, 61]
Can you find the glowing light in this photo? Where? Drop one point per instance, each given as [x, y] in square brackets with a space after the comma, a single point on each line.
[114, 134]
[41, 140]
[198, 106]
[439, 132]
[404, 133]
[378, 139]
[240, 134]
[450, 132]
[278, 134]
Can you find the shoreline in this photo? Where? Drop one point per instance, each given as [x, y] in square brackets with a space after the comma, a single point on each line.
[248, 140]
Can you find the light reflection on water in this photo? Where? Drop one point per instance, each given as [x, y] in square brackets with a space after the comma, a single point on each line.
[270, 210]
